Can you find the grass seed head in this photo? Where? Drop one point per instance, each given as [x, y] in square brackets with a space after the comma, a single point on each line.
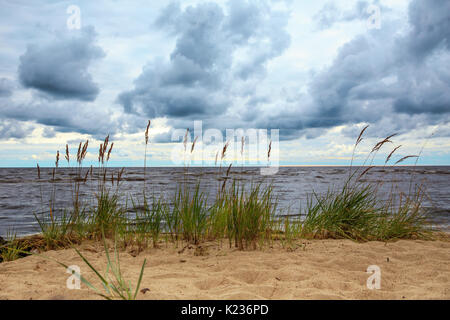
[193, 144]
[146, 132]
[404, 158]
[67, 153]
[390, 154]
[360, 135]
[57, 159]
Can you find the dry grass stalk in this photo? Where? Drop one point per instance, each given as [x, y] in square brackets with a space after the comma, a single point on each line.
[226, 177]
[39, 171]
[102, 150]
[229, 168]
[217, 154]
[404, 158]
[360, 135]
[382, 142]
[358, 141]
[145, 152]
[79, 152]
[193, 144]
[185, 139]
[109, 152]
[146, 132]
[268, 151]
[105, 144]
[67, 154]
[224, 150]
[390, 154]
[100, 154]
[119, 175]
[364, 172]
[57, 159]
[86, 176]
[82, 151]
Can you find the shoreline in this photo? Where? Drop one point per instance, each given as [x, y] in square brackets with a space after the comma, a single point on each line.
[311, 269]
[248, 166]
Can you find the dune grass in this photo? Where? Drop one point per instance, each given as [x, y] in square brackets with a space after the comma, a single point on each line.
[245, 216]
[12, 249]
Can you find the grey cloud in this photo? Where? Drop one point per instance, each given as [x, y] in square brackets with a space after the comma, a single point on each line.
[430, 21]
[62, 116]
[331, 14]
[49, 132]
[6, 87]
[13, 129]
[394, 83]
[377, 76]
[59, 68]
[198, 80]
[327, 16]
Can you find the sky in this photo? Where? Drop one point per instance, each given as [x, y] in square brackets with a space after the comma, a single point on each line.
[316, 71]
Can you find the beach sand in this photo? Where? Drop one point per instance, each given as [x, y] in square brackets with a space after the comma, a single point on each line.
[315, 269]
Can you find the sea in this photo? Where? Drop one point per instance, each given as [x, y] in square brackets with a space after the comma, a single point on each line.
[24, 194]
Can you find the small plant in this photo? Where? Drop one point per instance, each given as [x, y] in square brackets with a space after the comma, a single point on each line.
[107, 215]
[114, 284]
[57, 232]
[149, 218]
[292, 229]
[12, 249]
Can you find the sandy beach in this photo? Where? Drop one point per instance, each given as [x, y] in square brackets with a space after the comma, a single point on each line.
[315, 269]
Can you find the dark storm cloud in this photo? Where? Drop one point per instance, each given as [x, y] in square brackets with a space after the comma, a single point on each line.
[197, 80]
[377, 76]
[396, 82]
[59, 68]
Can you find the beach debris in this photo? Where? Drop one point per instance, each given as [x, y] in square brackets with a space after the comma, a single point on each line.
[145, 290]
[184, 248]
[134, 252]
[90, 249]
[201, 251]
